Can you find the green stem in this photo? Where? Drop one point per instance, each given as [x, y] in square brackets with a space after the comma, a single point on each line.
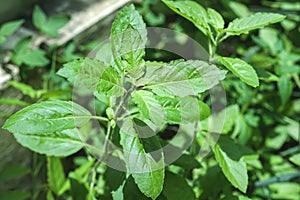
[93, 180]
[98, 117]
[212, 50]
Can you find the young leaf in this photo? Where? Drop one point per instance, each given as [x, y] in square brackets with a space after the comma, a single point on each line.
[252, 22]
[193, 12]
[110, 83]
[10, 27]
[228, 156]
[55, 173]
[181, 78]
[146, 171]
[128, 37]
[215, 19]
[149, 107]
[47, 117]
[240, 69]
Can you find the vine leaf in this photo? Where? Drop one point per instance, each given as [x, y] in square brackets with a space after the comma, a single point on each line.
[128, 38]
[228, 156]
[180, 78]
[241, 69]
[252, 22]
[148, 173]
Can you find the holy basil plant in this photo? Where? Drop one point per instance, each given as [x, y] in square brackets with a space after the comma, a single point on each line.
[138, 95]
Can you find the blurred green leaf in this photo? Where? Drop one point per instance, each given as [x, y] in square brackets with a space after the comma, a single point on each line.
[16, 194]
[295, 159]
[10, 172]
[176, 187]
[10, 27]
[285, 87]
[56, 175]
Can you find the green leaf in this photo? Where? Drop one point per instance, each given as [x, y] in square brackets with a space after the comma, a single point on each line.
[2, 39]
[24, 54]
[128, 37]
[149, 107]
[79, 180]
[258, 20]
[54, 24]
[50, 195]
[27, 89]
[11, 172]
[239, 9]
[295, 159]
[215, 19]
[110, 83]
[228, 115]
[63, 143]
[16, 194]
[131, 191]
[180, 78]
[229, 157]
[47, 117]
[285, 86]
[49, 127]
[176, 187]
[114, 178]
[32, 58]
[171, 107]
[48, 26]
[56, 174]
[146, 171]
[70, 70]
[93, 75]
[79, 189]
[193, 12]
[10, 27]
[187, 161]
[39, 18]
[17, 102]
[240, 69]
